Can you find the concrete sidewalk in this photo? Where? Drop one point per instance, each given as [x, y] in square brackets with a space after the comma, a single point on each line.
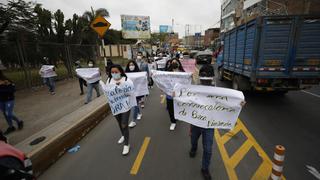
[38, 109]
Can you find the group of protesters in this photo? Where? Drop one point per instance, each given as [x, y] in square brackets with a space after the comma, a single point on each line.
[117, 77]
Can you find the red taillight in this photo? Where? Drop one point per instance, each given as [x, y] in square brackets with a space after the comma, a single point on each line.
[262, 81]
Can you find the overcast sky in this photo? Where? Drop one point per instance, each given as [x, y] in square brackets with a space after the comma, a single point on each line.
[200, 14]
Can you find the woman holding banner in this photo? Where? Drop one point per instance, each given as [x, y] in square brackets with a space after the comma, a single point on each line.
[47, 72]
[175, 66]
[132, 66]
[120, 94]
[91, 86]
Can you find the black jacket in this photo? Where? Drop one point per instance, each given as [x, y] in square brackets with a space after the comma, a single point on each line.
[7, 92]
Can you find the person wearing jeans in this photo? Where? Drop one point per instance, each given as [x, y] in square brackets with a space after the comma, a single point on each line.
[50, 83]
[131, 67]
[7, 89]
[91, 86]
[48, 73]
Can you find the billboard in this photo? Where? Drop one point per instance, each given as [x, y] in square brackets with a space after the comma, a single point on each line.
[135, 27]
[165, 29]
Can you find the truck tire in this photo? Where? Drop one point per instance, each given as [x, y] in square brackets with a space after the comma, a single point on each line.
[235, 83]
[220, 74]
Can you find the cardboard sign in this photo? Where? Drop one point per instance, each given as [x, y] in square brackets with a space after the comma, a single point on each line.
[140, 81]
[207, 106]
[121, 98]
[167, 80]
[189, 65]
[91, 75]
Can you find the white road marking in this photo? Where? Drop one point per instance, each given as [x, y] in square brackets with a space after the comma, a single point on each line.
[316, 95]
[313, 171]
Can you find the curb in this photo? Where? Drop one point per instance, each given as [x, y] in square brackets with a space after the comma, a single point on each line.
[63, 134]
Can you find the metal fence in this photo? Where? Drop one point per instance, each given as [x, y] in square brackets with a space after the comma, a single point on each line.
[24, 59]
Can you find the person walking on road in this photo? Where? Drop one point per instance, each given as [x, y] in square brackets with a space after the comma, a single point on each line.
[81, 80]
[132, 66]
[109, 64]
[118, 78]
[7, 90]
[47, 72]
[206, 77]
[175, 66]
[144, 67]
[90, 86]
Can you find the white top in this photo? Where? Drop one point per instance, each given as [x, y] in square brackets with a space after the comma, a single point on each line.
[47, 71]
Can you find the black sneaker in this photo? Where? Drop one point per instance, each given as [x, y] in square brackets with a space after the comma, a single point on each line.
[9, 130]
[20, 125]
[192, 154]
[206, 174]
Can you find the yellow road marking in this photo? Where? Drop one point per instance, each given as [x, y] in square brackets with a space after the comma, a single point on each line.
[240, 153]
[137, 162]
[230, 134]
[264, 170]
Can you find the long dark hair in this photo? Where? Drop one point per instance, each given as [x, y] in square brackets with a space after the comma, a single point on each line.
[168, 63]
[180, 65]
[122, 73]
[136, 67]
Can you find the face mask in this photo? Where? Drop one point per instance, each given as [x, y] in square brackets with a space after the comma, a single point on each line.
[139, 57]
[90, 65]
[131, 68]
[174, 65]
[116, 76]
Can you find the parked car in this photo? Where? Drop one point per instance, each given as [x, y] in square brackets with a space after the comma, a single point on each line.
[14, 165]
[203, 57]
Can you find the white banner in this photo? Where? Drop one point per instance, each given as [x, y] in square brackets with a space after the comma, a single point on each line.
[162, 63]
[140, 81]
[121, 98]
[47, 71]
[207, 106]
[167, 80]
[91, 75]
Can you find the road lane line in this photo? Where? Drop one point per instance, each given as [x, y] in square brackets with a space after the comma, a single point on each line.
[137, 162]
[230, 134]
[316, 95]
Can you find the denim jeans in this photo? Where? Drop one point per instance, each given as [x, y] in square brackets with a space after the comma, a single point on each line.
[136, 109]
[50, 83]
[7, 110]
[89, 92]
[207, 141]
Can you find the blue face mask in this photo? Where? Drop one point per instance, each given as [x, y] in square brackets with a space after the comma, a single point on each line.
[116, 76]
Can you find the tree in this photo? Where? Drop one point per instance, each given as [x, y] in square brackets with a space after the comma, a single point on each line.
[59, 25]
[44, 23]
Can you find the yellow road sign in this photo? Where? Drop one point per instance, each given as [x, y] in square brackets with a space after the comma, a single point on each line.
[100, 25]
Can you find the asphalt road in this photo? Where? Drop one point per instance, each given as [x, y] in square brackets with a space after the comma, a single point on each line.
[292, 120]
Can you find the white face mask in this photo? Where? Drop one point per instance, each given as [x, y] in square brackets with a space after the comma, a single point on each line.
[90, 65]
[139, 57]
[131, 68]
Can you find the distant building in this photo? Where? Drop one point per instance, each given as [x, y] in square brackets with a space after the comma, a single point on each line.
[237, 12]
[210, 35]
[193, 41]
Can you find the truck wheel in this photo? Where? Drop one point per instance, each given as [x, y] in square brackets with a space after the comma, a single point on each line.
[235, 83]
[220, 74]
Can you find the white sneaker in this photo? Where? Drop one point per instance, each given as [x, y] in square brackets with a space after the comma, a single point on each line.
[132, 124]
[139, 116]
[125, 150]
[172, 126]
[121, 140]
